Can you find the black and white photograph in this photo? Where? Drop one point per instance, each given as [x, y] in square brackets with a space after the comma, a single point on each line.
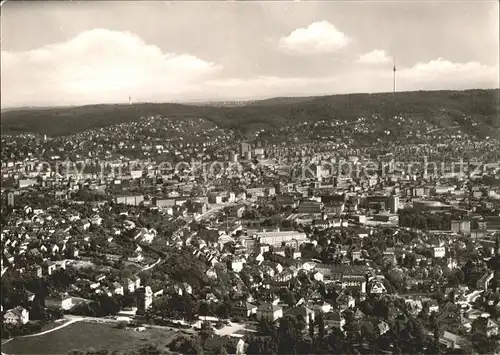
[250, 177]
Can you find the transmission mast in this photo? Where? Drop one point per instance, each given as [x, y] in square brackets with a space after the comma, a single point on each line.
[394, 77]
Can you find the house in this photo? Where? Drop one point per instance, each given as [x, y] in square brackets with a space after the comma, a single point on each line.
[188, 288]
[345, 301]
[350, 276]
[451, 341]
[335, 319]
[237, 265]
[117, 288]
[413, 306]
[158, 293]
[356, 255]
[211, 298]
[244, 309]
[484, 281]
[36, 271]
[383, 327]
[438, 252]
[323, 307]
[30, 296]
[321, 224]
[306, 313]
[61, 301]
[49, 267]
[105, 290]
[433, 306]
[237, 211]
[377, 287]
[137, 281]
[17, 316]
[269, 311]
[129, 285]
[318, 276]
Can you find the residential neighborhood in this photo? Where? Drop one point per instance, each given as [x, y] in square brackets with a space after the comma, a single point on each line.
[359, 255]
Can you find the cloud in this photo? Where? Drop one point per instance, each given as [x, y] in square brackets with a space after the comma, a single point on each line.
[441, 66]
[376, 56]
[439, 74]
[444, 74]
[98, 66]
[102, 66]
[317, 38]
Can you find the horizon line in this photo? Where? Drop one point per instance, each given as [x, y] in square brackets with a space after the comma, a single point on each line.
[214, 101]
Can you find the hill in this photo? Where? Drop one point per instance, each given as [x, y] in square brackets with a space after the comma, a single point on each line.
[442, 108]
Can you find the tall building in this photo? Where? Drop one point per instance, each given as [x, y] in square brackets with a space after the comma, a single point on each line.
[10, 199]
[394, 204]
[245, 148]
[460, 226]
[317, 171]
[247, 155]
[233, 157]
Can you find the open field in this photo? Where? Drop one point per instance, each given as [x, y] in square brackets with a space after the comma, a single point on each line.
[85, 336]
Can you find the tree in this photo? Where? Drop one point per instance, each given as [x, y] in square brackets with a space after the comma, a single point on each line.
[300, 325]
[121, 325]
[321, 326]
[222, 311]
[287, 335]
[264, 327]
[186, 345]
[150, 349]
[206, 331]
[37, 311]
[221, 351]
[305, 346]
[254, 345]
[204, 309]
[288, 297]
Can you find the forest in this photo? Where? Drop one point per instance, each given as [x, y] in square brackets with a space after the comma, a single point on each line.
[267, 114]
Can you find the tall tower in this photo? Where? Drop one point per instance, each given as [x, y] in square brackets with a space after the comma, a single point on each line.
[394, 77]
[129, 100]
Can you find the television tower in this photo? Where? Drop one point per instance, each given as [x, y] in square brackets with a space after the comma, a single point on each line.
[394, 77]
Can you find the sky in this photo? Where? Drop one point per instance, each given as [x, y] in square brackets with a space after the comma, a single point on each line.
[72, 53]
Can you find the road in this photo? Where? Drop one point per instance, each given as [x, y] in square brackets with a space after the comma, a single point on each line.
[71, 321]
[151, 266]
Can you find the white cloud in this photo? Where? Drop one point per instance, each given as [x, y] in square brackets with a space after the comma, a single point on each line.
[98, 66]
[444, 74]
[376, 56]
[103, 66]
[441, 65]
[317, 38]
[437, 74]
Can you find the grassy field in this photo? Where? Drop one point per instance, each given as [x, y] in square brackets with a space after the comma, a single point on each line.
[85, 336]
